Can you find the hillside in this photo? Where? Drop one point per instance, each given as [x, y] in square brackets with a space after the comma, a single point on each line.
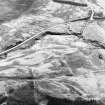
[52, 52]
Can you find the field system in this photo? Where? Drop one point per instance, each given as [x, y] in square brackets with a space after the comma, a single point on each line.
[52, 52]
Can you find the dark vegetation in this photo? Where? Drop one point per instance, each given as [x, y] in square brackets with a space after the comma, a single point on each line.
[55, 101]
[2, 99]
[15, 9]
[51, 101]
[23, 5]
[71, 3]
